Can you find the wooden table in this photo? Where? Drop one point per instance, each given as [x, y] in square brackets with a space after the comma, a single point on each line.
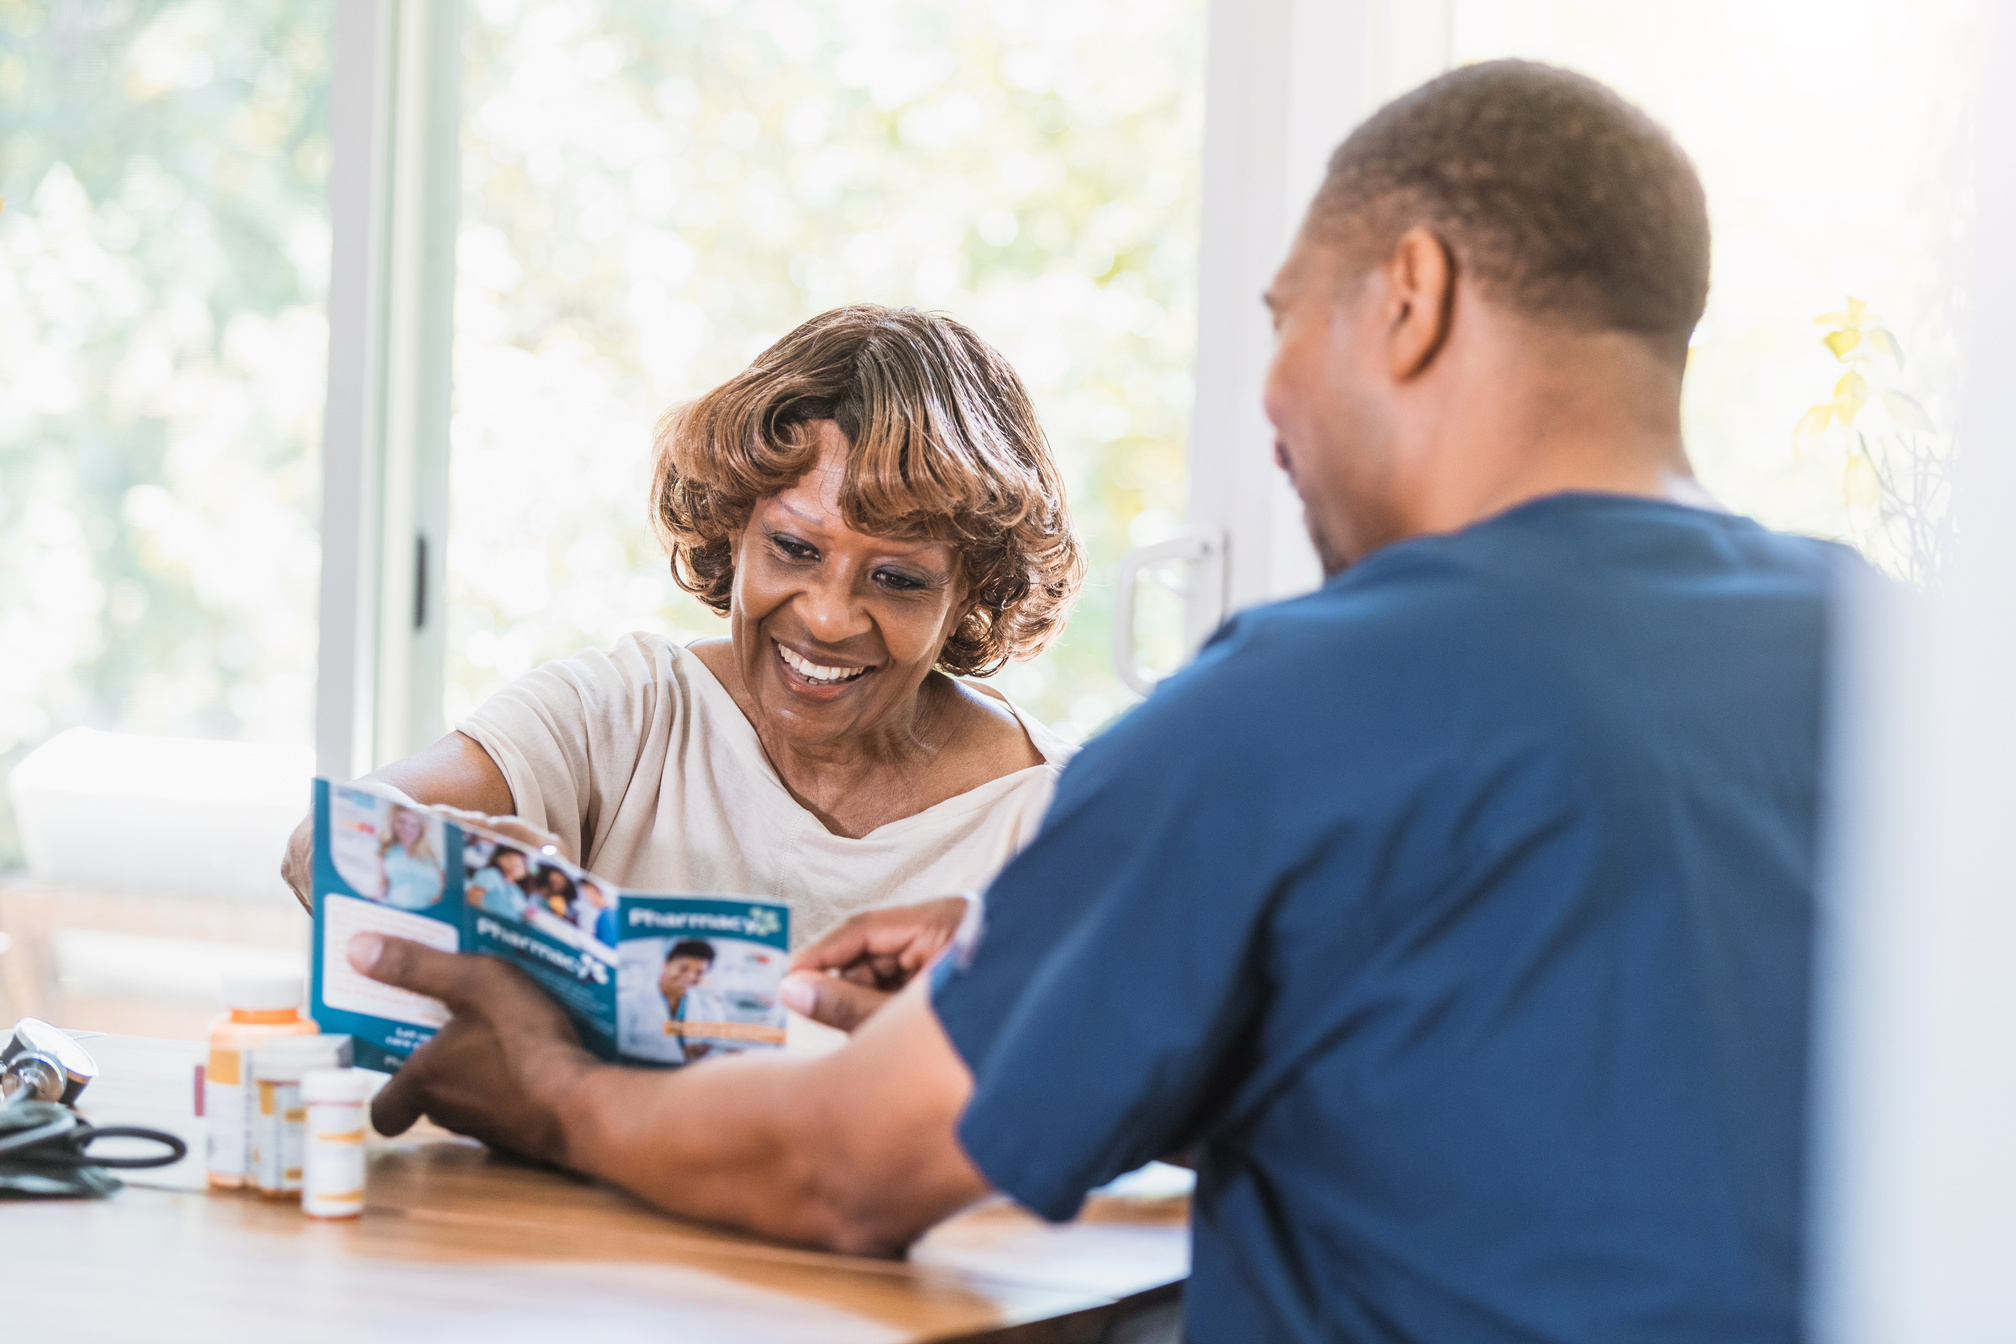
[459, 1244]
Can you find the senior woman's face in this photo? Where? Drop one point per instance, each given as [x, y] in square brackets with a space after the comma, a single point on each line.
[834, 629]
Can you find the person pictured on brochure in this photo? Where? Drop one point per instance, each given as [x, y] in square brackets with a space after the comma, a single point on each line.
[686, 965]
[556, 894]
[874, 508]
[409, 861]
[498, 885]
[595, 913]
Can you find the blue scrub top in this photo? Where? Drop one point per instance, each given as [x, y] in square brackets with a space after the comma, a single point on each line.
[1455, 918]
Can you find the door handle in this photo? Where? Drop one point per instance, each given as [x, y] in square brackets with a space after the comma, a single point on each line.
[1201, 550]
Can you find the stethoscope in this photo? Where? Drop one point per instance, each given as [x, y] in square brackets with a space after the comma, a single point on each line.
[41, 1066]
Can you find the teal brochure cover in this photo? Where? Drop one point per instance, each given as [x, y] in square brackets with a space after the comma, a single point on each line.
[647, 978]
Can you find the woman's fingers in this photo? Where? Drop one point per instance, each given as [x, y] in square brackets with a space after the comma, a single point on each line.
[296, 865]
[836, 949]
[511, 828]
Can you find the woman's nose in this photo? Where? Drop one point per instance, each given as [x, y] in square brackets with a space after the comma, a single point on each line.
[831, 611]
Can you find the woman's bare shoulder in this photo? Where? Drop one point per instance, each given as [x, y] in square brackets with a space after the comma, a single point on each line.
[991, 739]
[717, 656]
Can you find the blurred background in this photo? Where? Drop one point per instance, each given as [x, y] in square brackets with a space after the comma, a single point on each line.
[644, 195]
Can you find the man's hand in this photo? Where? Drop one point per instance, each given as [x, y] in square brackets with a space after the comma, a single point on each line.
[501, 1071]
[844, 977]
[854, 1150]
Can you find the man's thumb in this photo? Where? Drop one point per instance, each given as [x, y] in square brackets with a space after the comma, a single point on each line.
[829, 999]
[409, 965]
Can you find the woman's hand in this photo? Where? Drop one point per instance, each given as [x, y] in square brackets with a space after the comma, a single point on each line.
[844, 977]
[297, 865]
[511, 828]
[454, 770]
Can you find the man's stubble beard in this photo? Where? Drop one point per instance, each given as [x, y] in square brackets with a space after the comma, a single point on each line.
[1333, 560]
[1362, 519]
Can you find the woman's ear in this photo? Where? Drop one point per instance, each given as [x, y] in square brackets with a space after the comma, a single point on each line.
[970, 622]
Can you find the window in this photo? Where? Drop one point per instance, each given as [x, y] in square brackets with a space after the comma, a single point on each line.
[164, 250]
[1827, 136]
[652, 193]
[163, 253]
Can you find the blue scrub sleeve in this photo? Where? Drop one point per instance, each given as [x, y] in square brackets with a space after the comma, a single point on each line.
[1119, 956]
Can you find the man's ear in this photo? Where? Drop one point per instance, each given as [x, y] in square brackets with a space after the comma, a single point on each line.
[1420, 294]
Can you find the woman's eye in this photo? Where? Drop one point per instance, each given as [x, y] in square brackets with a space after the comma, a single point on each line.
[897, 581]
[794, 550]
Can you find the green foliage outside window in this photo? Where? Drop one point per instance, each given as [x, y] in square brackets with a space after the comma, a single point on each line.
[1895, 467]
[163, 253]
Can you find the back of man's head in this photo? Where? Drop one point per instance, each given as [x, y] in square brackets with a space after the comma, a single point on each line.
[1560, 200]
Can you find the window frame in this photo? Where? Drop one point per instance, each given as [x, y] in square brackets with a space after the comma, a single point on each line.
[395, 111]
[1277, 100]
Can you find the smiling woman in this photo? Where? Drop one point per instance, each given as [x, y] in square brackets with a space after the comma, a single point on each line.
[874, 507]
[942, 444]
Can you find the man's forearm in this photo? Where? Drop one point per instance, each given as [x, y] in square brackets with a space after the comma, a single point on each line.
[854, 1151]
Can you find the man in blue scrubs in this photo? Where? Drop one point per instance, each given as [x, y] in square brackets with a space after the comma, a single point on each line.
[1454, 918]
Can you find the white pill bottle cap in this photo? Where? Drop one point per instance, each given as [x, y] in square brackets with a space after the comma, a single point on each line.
[262, 993]
[340, 1085]
[287, 1059]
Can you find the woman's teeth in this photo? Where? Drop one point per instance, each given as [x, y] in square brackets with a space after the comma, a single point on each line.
[814, 672]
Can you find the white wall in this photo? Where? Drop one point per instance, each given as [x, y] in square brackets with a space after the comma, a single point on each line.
[1915, 1167]
[1285, 81]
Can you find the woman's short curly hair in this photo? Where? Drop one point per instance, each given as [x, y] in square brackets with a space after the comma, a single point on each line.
[943, 444]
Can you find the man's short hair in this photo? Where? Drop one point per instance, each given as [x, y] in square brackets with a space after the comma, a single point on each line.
[694, 948]
[1563, 201]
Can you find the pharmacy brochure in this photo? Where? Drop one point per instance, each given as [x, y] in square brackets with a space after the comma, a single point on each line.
[648, 978]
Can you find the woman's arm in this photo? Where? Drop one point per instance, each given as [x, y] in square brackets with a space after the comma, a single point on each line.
[454, 772]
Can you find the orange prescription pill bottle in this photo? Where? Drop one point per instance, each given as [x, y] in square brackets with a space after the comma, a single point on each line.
[261, 1008]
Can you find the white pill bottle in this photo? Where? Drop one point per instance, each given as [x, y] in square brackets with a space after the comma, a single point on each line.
[332, 1157]
[279, 1121]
